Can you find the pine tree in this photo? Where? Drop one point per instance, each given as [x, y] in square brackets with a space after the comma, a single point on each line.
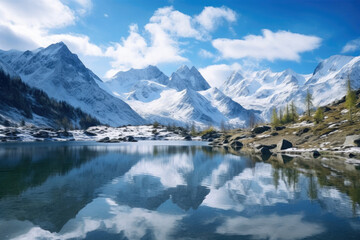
[319, 115]
[287, 116]
[193, 131]
[350, 99]
[294, 115]
[280, 115]
[274, 118]
[308, 102]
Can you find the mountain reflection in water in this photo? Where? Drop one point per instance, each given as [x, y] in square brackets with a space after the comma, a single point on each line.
[172, 190]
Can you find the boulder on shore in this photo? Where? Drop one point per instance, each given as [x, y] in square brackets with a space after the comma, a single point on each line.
[284, 144]
[260, 129]
[352, 141]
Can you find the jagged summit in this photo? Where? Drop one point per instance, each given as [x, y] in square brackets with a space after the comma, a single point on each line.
[185, 78]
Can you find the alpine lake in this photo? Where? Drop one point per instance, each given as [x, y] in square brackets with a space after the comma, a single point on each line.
[172, 190]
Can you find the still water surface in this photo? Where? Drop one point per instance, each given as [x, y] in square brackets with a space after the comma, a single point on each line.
[172, 190]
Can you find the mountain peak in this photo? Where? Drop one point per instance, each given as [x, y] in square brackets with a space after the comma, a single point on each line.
[183, 68]
[56, 48]
[184, 78]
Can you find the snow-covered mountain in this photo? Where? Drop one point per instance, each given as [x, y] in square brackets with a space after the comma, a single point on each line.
[61, 74]
[263, 90]
[185, 78]
[124, 83]
[20, 103]
[184, 98]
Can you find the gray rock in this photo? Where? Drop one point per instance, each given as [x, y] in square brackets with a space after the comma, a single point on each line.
[352, 141]
[130, 139]
[236, 145]
[187, 138]
[105, 139]
[260, 129]
[265, 151]
[279, 128]
[283, 144]
[302, 131]
[64, 134]
[90, 134]
[41, 134]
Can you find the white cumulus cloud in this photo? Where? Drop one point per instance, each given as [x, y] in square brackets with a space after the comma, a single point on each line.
[26, 24]
[211, 17]
[217, 74]
[166, 28]
[352, 46]
[270, 46]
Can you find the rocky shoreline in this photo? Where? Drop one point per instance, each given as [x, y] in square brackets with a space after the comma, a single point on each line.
[102, 134]
[270, 141]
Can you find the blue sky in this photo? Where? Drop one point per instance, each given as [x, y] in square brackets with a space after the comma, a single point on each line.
[215, 36]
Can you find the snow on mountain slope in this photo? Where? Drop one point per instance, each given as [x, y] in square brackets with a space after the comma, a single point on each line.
[180, 107]
[179, 102]
[126, 82]
[263, 90]
[236, 115]
[185, 78]
[7, 69]
[329, 81]
[63, 76]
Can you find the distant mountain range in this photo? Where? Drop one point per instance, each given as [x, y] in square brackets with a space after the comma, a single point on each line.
[146, 95]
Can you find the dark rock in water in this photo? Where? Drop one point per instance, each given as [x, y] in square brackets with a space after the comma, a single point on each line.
[64, 134]
[90, 134]
[236, 145]
[187, 138]
[284, 144]
[105, 139]
[313, 154]
[284, 158]
[260, 129]
[302, 131]
[130, 139]
[265, 151]
[41, 134]
[352, 141]
[279, 128]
